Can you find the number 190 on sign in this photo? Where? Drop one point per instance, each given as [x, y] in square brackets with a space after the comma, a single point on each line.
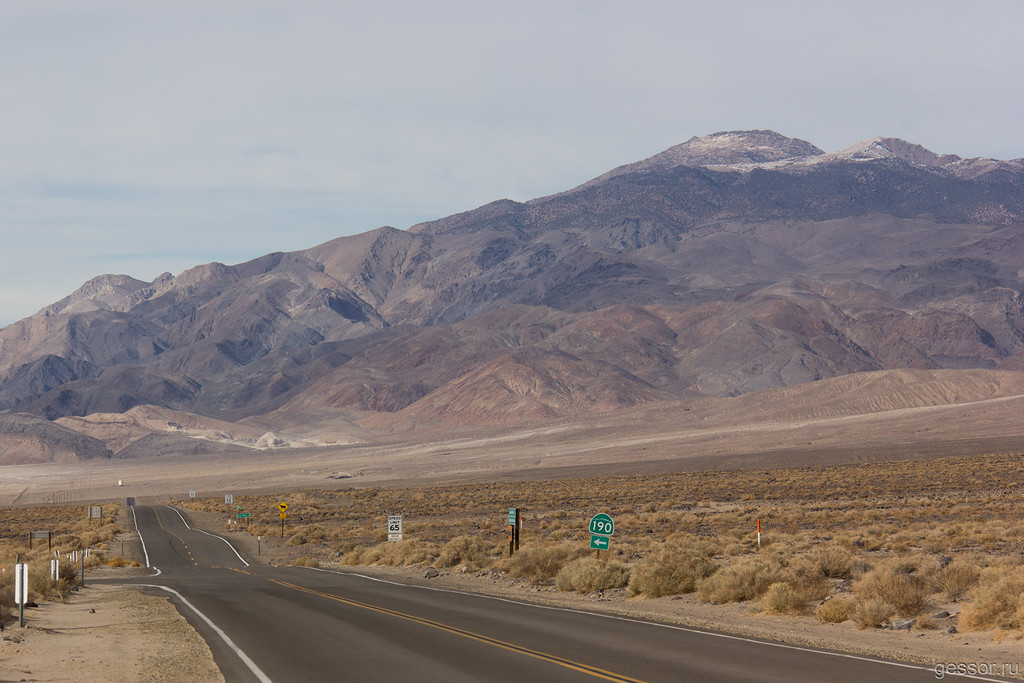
[602, 524]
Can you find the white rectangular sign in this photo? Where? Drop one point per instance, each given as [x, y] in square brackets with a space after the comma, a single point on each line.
[229, 498]
[394, 527]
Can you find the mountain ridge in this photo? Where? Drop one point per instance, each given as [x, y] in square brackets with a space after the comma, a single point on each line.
[736, 262]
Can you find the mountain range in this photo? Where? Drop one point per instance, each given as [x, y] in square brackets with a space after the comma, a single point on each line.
[736, 262]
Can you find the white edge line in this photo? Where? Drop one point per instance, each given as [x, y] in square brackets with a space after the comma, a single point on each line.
[209, 534]
[143, 542]
[224, 636]
[728, 636]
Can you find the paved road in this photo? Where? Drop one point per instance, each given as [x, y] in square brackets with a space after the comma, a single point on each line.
[297, 624]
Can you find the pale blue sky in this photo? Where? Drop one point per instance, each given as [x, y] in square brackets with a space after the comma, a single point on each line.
[140, 138]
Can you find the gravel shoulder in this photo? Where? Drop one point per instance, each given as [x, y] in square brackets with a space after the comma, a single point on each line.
[106, 633]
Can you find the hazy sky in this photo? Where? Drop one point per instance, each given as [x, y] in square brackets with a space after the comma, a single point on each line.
[143, 137]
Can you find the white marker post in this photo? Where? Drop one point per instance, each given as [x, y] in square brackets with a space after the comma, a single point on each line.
[21, 590]
[55, 570]
[758, 532]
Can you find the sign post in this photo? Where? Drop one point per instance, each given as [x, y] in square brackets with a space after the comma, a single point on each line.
[283, 507]
[515, 526]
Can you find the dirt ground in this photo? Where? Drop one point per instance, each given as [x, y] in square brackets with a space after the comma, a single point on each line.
[105, 634]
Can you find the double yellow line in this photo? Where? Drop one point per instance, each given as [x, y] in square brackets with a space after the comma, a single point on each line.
[560, 661]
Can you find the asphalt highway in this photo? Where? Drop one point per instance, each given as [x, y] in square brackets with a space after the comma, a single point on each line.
[287, 624]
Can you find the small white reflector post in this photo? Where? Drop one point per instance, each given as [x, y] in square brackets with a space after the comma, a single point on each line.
[20, 583]
[21, 590]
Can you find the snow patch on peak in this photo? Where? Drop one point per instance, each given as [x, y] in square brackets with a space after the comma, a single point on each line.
[733, 147]
[893, 148]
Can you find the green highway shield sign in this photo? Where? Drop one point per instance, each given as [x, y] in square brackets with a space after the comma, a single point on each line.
[245, 514]
[599, 542]
[602, 524]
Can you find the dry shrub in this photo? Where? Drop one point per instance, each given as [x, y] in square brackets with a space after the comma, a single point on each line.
[998, 600]
[836, 610]
[677, 568]
[116, 561]
[67, 542]
[780, 598]
[539, 563]
[586, 574]
[905, 593]
[744, 580]
[305, 561]
[468, 551]
[833, 561]
[398, 554]
[872, 613]
[955, 579]
[805, 578]
[297, 539]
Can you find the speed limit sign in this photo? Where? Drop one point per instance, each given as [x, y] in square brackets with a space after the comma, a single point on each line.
[394, 527]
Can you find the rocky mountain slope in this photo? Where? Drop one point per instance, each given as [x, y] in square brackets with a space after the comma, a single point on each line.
[734, 262]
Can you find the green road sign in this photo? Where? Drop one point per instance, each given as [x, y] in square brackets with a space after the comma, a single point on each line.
[511, 516]
[599, 542]
[602, 524]
[245, 514]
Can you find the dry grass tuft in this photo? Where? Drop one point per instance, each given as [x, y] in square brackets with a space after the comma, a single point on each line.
[872, 613]
[746, 579]
[586, 574]
[780, 598]
[836, 610]
[539, 563]
[677, 568]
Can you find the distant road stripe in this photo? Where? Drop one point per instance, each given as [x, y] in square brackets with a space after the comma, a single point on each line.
[560, 661]
[209, 534]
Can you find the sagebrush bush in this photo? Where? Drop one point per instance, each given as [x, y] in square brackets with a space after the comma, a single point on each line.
[833, 561]
[744, 580]
[586, 574]
[905, 593]
[997, 600]
[468, 551]
[539, 563]
[675, 569]
[305, 561]
[872, 613]
[836, 610]
[955, 579]
[398, 554]
[780, 598]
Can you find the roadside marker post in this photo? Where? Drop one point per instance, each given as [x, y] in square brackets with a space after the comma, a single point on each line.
[283, 507]
[758, 532]
[515, 527]
[21, 590]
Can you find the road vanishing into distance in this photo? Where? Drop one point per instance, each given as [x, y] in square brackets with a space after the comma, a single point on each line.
[287, 624]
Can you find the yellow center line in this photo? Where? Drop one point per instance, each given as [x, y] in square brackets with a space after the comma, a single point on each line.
[561, 661]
